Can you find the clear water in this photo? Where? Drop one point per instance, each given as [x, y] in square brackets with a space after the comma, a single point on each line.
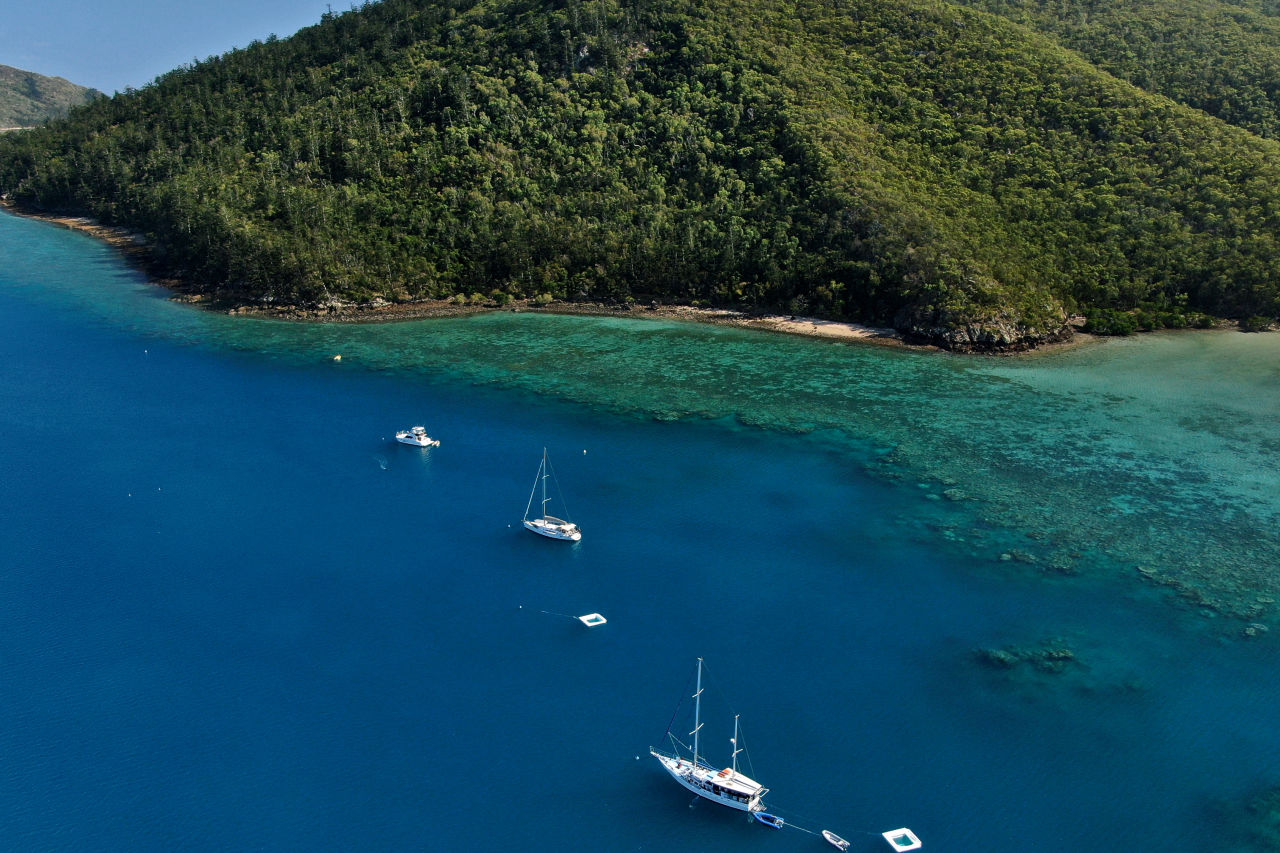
[237, 616]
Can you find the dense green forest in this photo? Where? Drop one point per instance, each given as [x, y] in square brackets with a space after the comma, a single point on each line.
[945, 169]
[28, 99]
[1219, 57]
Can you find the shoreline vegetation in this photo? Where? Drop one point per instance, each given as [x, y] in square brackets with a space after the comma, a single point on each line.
[133, 247]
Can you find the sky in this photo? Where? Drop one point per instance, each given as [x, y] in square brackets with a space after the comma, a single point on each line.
[111, 45]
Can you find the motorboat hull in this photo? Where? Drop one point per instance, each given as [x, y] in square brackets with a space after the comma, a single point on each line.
[416, 443]
[416, 439]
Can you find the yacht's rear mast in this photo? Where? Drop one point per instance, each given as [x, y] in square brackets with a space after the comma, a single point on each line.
[736, 748]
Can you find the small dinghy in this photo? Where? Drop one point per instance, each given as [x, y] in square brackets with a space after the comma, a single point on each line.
[835, 840]
[769, 819]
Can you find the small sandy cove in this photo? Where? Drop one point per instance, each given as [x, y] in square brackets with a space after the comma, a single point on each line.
[792, 325]
[823, 328]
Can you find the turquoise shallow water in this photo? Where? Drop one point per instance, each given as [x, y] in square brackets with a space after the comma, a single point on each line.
[237, 616]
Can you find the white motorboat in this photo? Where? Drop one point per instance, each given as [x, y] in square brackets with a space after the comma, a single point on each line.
[417, 436]
[548, 525]
[728, 786]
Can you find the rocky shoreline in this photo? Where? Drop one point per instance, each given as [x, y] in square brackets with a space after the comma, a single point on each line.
[997, 341]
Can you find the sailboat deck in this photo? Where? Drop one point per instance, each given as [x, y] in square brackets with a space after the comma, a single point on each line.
[729, 780]
[725, 786]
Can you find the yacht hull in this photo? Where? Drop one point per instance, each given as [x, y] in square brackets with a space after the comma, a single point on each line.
[724, 787]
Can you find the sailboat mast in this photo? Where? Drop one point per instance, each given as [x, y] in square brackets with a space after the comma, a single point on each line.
[736, 748]
[697, 714]
[544, 482]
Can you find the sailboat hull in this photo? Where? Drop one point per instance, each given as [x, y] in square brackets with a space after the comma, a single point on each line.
[553, 530]
[720, 786]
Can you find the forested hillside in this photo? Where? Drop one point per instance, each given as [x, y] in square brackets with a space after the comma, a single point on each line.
[28, 99]
[1219, 57]
[918, 163]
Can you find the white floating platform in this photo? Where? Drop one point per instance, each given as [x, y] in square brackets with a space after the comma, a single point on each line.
[592, 619]
[902, 839]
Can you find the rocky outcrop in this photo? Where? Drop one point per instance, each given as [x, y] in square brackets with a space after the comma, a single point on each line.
[1051, 657]
[995, 332]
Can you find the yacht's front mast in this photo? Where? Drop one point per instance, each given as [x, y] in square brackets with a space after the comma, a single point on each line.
[697, 714]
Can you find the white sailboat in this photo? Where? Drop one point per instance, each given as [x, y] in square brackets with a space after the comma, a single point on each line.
[548, 525]
[728, 786]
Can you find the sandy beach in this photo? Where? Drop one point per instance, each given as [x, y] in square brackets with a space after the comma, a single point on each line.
[818, 328]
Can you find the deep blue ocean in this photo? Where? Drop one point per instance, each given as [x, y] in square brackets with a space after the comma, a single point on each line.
[236, 615]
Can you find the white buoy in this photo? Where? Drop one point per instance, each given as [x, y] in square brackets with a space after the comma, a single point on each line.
[592, 619]
[338, 357]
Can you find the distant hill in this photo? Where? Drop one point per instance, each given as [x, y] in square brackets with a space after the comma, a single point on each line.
[28, 99]
[949, 170]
